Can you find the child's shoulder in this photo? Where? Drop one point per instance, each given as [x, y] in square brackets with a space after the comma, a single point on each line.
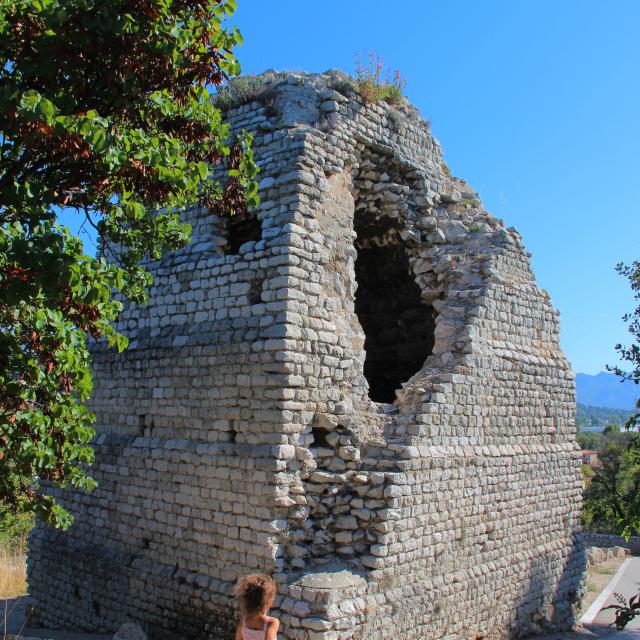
[272, 626]
[270, 620]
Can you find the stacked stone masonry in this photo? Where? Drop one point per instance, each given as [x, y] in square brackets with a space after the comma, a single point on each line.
[358, 389]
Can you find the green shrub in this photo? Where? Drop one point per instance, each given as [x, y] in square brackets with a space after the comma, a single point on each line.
[394, 93]
[372, 86]
[14, 528]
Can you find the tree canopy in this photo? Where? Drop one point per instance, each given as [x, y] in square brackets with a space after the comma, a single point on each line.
[630, 520]
[104, 110]
[631, 354]
[612, 493]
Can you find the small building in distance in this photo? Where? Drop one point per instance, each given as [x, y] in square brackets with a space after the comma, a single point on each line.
[590, 457]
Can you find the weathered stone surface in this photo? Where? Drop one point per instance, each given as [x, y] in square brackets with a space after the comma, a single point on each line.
[358, 389]
[598, 555]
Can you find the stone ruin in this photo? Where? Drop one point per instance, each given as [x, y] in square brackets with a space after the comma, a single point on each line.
[356, 388]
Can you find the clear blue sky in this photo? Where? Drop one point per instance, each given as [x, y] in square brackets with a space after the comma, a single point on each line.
[536, 104]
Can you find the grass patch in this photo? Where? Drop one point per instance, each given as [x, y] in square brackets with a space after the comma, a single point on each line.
[239, 91]
[604, 570]
[373, 86]
[345, 86]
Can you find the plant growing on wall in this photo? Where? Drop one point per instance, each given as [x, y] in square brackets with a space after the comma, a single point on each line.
[373, 85]
[104, 111]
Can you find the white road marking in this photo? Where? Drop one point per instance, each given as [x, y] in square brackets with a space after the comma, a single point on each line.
[590, 614]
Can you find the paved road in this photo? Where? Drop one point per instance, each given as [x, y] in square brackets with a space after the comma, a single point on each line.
[627, 585]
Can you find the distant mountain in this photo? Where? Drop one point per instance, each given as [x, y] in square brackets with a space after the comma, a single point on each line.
[605, 390]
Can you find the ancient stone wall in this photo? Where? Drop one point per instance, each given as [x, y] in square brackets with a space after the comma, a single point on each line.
[359, 390]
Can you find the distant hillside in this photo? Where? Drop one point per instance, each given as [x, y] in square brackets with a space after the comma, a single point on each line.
[606, 390]
[600, 417]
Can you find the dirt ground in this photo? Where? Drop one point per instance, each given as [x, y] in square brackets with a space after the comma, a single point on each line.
[598, 578]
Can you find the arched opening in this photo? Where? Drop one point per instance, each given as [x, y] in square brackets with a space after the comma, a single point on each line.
[398, 324]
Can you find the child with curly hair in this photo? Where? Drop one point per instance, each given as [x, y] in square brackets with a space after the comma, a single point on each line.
[255, 594]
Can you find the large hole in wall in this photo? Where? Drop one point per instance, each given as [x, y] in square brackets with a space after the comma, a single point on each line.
[398, 324]
[242, 228]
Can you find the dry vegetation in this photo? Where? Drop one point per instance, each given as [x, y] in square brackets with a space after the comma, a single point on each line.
[14, 530]
[13, 578]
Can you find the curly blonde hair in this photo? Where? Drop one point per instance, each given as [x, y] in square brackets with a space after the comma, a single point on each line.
[255, 593]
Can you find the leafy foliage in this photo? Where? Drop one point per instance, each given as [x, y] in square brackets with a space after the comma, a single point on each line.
[632, 355]
[612, 495]
[14, 529]
[610, 428]
[104, 110]
[625, 611]
[372, 86]
[590, 440]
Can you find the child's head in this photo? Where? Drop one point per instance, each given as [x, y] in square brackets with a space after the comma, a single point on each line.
[255, 593]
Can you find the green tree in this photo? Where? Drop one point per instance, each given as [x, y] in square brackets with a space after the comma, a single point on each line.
[631, 354]
[104, 110]
[611, 497]
[590, 440]
[611, 428]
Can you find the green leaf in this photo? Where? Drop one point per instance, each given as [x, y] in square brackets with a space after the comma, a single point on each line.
[122, 342]
[92, 296]
[46, 110]
[203, 169]
[41, 319]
